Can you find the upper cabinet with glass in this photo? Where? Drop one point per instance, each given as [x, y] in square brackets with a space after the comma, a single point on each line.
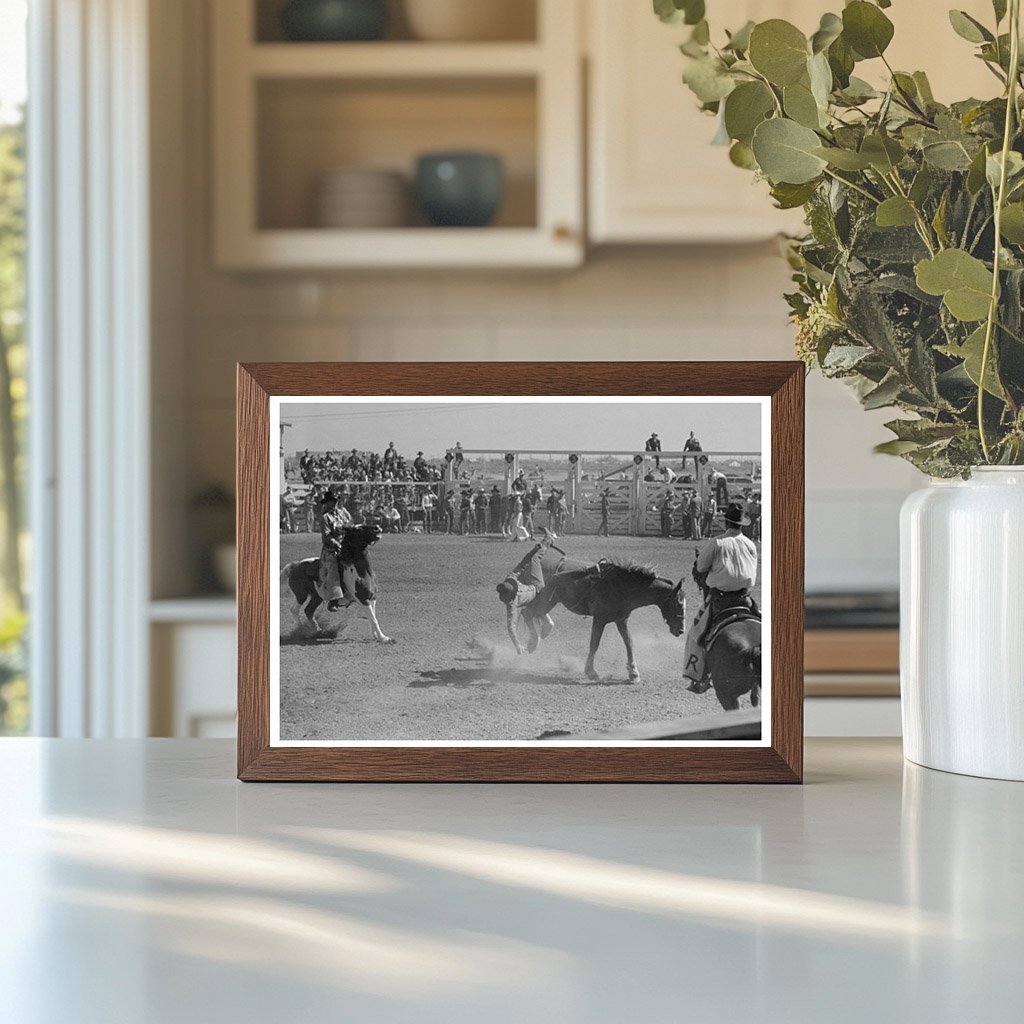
[374, 133]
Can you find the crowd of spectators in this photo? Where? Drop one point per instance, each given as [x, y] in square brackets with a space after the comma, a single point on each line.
[403, 495]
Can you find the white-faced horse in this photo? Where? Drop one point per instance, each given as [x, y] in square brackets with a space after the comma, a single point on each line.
[303, 591]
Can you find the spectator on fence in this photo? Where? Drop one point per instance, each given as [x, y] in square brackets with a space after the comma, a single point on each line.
[719, 486]
[390, 457]
[419, 466]
[692, 445]
[480, 507]
[654, 445]
[667, 476]
[458, 457]
[602, 530]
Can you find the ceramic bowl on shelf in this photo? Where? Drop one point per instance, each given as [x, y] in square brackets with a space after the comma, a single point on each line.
[361, 198]
[332, 21]
[470, 20]
[460, 189]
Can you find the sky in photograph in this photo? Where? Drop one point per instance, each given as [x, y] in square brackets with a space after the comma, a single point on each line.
[499, 427]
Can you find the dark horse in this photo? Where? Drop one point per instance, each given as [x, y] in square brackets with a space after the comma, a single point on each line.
[608, 592]
[734, 663]
[358, 583]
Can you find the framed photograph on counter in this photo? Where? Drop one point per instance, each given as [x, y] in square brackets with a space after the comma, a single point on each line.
[520, 572]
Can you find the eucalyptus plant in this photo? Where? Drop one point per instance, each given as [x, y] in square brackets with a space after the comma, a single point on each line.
[910, 278]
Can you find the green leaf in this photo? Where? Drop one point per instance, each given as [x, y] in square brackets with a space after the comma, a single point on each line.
[1012, 224]
[866, 29]
[971, 352]
[963, 281]
[896, 212]
[778, 50]
[968, 28]
[745, 108]
[947, 156]
[885, 394]
[820, 77]
[785, 152]
[841, 60]
[924, 88]
[701, 33]
[789, 197]
[1014, 169]
[921, 185]
[676, 12]
[708, 80]
[883, 153]
[739, 41]
[844, 159]
[829, 30]
[895, 447]
[999, 7]
[858, 91]
[976, 173]
[923, 431]
[800, 105]
[742, 155]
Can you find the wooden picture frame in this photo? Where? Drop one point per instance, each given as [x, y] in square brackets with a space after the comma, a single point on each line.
[779, 759]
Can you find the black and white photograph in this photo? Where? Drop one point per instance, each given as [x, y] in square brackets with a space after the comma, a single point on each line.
[575, 571]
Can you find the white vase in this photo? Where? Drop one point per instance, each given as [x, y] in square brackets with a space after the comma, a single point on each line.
[962, 624]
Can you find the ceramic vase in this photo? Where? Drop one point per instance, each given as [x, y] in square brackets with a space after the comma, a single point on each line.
[962, 624]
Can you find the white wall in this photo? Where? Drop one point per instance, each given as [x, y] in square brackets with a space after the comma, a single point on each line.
[655, 303]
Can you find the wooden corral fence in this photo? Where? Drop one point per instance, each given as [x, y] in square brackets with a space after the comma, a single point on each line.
[634, 503]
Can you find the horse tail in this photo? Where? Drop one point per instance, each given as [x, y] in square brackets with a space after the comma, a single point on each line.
[754, 660]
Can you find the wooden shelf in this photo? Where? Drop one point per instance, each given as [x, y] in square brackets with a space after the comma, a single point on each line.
[393, 60]
[284, 113]
[400, 247]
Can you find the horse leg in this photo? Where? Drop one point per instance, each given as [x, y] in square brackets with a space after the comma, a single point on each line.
[730, 703]
[755, 695]
[634, 672]
[311, 608]
[378, 633]
[596, 632]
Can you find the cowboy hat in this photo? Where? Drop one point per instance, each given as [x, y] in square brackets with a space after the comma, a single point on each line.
[734, 516]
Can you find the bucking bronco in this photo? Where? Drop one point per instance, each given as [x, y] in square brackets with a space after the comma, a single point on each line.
[307, 592]
[607, 591]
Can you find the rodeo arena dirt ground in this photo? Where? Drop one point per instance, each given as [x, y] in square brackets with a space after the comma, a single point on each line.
[453, 674]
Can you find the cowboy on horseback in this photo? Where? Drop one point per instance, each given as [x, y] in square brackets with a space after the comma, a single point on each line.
[726, 570]
[334, 518]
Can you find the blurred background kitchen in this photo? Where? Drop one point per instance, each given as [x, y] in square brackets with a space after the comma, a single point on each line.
[247, 180]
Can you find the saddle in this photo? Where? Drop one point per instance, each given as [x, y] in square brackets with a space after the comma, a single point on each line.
[727, 608]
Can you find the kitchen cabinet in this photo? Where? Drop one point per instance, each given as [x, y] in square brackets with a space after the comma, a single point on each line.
[287, 113]
[653, 175]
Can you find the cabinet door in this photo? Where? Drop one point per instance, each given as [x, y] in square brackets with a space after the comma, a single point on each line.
[654, 175]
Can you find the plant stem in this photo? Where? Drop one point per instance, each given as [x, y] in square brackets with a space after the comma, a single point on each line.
[993, 309]
[855, 187]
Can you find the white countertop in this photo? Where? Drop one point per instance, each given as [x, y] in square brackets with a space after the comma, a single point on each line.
[143, 885]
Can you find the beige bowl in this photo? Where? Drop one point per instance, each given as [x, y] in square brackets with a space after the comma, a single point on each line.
[471, 20]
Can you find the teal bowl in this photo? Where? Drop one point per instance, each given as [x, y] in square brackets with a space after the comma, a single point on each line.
[334, 21]
[460, 190]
